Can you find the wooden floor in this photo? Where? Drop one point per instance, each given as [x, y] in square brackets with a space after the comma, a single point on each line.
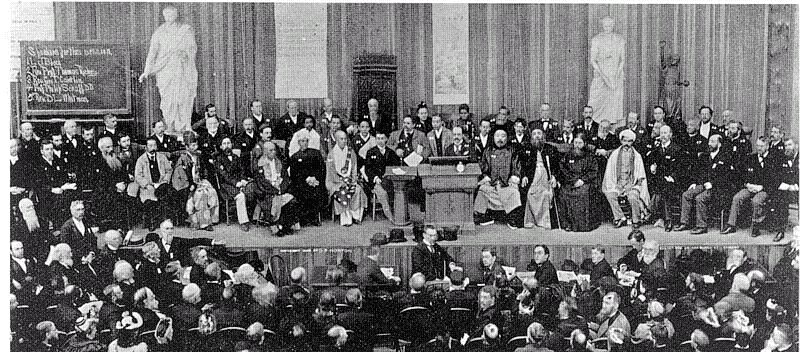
[332, 235]
[317, 248]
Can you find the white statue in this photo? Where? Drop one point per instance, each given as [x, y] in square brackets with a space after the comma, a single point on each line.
[171, 59]
[607, 56]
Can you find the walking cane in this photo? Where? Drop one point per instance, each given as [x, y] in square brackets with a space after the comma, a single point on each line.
[558, 219]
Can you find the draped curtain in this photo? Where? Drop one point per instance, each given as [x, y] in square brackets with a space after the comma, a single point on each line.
[520, 55]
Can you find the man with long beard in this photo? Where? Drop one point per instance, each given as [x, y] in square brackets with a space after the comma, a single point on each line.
[33, 231]
[609, 318]
[540, 162]
[499, 187]
[114, 205]
[234, 183]
[625, 176]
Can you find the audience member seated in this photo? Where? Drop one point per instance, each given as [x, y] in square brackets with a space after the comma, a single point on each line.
[482, 140]
[545, 270]
[33, 231]
[358, 320]
[498, 189]
[54, 189]
[363, 141]
[235, 183]
[85, 338]
[609, 318]
[341, 180]
[79, 233]
[128, 331]
[439, 137]
[710, 181]
[146, 304]
[465, 122]
[597, 265]
[534, 340]
[492, 272]
[550, 127]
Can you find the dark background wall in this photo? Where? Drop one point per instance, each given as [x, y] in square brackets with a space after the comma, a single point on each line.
[742, 57]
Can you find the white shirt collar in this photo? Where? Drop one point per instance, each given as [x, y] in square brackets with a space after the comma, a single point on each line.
[665, 145]
[14, 159]
[80, 225]
[21, 262]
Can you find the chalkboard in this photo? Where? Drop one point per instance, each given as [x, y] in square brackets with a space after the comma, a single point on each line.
[75, 78]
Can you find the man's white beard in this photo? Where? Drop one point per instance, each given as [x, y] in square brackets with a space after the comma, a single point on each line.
[67, 262]
[649, 258]
[32, 221]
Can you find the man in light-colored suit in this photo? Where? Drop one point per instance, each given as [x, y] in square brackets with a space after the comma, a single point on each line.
[408, 140]
[440, 137]
[153, 173]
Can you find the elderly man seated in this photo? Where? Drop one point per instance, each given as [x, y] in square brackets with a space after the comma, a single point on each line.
[341, 181]
[625, 177]
[499, 187]
[272, 184]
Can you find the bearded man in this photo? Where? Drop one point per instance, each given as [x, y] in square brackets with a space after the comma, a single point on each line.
[33, 231]
[499, 187]
[540, 162]
[625, 177]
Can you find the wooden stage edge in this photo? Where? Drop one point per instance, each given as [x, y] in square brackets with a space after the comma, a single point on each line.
[318, 247]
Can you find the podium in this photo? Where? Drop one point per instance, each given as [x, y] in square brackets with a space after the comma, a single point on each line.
[399, 183]
[449, 195]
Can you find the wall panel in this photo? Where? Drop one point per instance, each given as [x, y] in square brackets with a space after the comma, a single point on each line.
[520, 54]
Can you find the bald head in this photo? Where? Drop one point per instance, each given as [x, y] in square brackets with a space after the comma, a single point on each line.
[417, 282]
[372, 104]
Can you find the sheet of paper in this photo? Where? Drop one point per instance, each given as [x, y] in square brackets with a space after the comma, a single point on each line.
[566, 276]
[510, 270]
[413, 159]
[708, 279]
[522, 275]
[387, 271]
[583, 277]
[398, 171]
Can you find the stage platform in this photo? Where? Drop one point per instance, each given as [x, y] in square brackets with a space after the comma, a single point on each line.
[318, 247]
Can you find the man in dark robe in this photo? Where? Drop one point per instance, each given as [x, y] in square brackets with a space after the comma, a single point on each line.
[498, 188]
[307, 173]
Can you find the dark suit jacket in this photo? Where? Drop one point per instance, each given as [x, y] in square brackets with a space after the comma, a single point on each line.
[718, 171]
[81, 244]
[370, 273]
[36, 244]
[375, 163]
[114, 136]
[434, 265]
[580, 127]
[551, 131]
[184, 316]
[28, 288]
[230, 171]
[285, 128]
[478, 147]
[545, 273]
[168, 144]
[179, 248]
[466, 150]
[672, 162]
[302, 165]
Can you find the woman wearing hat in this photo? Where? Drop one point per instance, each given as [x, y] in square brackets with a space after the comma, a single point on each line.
[128, 330]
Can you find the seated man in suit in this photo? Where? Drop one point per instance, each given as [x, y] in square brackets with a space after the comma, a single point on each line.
[164, 142]
[291, 122]
[153, 172]
[589, 127]
[431, 259]
[211, 112]
[234, 181]
[498, 188]
[110, 129]
[609, 318]
[78, 233]
[376, 161]
[54, 189]
[369, 272]
[24, 272]
[460, 147]
[520, 137]
[545, 123]
[757, 182]
[408, 140]
[439, 137]
[482, 139]
[464, 120]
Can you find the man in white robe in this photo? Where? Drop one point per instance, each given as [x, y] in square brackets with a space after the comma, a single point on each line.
[625, 177]
[341, 181]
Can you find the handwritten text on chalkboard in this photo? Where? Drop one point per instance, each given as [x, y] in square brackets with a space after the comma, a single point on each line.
[51, 81]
